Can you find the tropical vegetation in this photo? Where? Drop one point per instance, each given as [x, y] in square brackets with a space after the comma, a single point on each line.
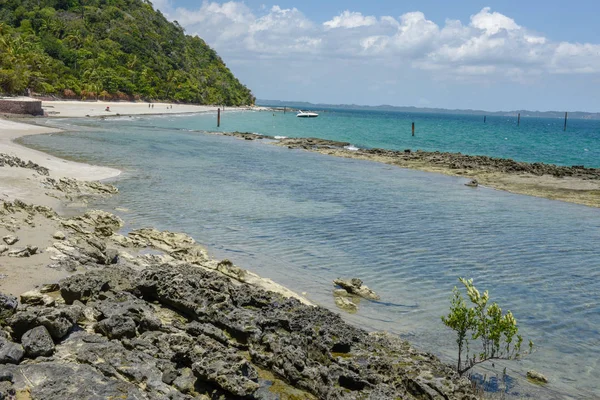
[108, 49]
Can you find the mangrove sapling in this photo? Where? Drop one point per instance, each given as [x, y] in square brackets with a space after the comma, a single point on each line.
[497, 332]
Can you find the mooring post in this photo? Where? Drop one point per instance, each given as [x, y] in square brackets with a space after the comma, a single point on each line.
[565, 128]
[413, 129]
[218, 117]
[484, 118]
[519, 120]
[284, 109]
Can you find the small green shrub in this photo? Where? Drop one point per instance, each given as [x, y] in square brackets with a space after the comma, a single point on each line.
[497, 333]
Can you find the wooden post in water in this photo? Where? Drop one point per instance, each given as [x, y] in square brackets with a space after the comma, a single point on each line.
[413, 129]
[565, 128]
[284, 109]
[218, 117]
[484, 118]
[519, 120]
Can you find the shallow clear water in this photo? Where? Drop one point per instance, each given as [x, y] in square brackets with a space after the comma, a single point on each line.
[304, 219]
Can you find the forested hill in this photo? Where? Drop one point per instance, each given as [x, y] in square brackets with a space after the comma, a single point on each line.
[110, 49]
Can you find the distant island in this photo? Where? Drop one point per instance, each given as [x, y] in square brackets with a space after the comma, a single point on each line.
[385, 107]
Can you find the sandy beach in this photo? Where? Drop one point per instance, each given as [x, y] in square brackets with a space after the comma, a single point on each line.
[98, 108]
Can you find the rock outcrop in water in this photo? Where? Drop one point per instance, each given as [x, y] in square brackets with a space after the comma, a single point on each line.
[356, 287]
[450, 160]
[172, 323]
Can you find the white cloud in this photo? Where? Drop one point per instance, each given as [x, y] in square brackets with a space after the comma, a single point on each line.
[493, 23]
[349, 19]
[489, 44]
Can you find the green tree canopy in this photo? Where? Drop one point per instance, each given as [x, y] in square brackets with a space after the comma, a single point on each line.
[121, 49]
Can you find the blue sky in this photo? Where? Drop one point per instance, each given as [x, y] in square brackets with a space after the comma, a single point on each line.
[494, 55]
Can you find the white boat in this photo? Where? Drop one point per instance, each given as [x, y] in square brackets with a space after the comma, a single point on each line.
[307, 114]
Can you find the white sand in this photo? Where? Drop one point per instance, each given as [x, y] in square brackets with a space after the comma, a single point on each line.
[98, 108]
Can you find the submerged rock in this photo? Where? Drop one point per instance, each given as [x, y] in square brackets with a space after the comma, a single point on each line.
[536, 377]
[345, 303]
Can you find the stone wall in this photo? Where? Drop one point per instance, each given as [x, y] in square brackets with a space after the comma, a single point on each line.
[31, 107]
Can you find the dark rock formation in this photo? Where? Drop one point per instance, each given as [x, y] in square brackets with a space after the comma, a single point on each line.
[37, 342]
[182, 332]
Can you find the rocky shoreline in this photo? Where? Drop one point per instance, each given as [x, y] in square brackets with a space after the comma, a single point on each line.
[149, 315]
[575, 184]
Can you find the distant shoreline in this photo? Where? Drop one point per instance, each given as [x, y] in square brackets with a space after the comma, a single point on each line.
[426, 110]
[575, 184]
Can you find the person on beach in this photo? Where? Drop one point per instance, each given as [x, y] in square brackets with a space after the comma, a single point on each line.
[107, 109]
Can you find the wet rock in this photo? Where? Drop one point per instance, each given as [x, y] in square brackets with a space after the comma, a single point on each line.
[10, 239]
[10, 353]
[37, 342]
[536, 377]
[472, 183]
[36, 298]
[355, 286]
[59, 235]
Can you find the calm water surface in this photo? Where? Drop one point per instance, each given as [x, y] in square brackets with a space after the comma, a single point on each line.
[304, 219]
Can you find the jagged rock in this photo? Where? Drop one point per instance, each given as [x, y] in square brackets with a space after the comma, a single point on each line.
[117, 327]
[84, 287]
[36, 298]
[10, 353]
[536, 377]
[10, 239]
[229, 371]
[13, 161]
[3, 249]
[37, 342]
[59, 320]
[355, 286]
[178, 245]
[59, 235]
[185, 381]
[55, 381]
[8, 306]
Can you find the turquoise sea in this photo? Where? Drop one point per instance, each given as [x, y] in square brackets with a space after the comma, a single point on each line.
[304, 219]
